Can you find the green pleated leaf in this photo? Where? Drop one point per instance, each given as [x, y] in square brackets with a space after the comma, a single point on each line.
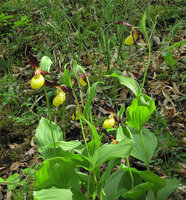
[138, 191]
[55, 172]
[109, 151]
[43, 136]
[143, 26]
[140, 110]
[163, 194]
[66, 78]
[128, 82]
[171, 185]
[149, 176]
[72, 145]
[150, 142]
[111, 185]
[53, 194]
[45, 63]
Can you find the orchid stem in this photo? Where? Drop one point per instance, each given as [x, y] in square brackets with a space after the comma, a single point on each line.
[144, 149]
[49, 116]
[132, 178]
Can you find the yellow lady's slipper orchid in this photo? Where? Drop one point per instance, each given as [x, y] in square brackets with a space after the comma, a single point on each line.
[129, 40]
[59, 98]
[37, 81]
[110, 122]
[82, 82]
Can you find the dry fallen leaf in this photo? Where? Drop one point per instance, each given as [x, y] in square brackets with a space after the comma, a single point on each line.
[16, 165]
[175, 88]
[30, 152]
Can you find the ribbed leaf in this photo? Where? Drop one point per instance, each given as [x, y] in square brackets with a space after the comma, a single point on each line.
[138, 191]
[150, 142]
[111, 185]
[53, 194]
[56, 172]
[45, 63]
[43, 136]
[143, 26]
[149, 176]
[109, 151]
[128, 82]
[72, 145]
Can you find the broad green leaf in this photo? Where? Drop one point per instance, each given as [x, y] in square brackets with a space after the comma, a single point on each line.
[150, 142]
[128, 82]
[45, 63]
[143, 26]
[78, 159]
[171, 185]
[149, 176]
[84, 178]
[66, 78]
[43, 136]
[56, 172]
[109, 151]
[140, 110]
[72, 145]
[54, 194]
[111, 185]
[111, 164]
[126, 181]
[138, 191]
[163, 194]
[76, 188]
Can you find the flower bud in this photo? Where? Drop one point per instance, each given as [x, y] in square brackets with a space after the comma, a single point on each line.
[37, 81]
[109, 123]
[140, 110]
[77, 114]
[83, 80]
[59, 98]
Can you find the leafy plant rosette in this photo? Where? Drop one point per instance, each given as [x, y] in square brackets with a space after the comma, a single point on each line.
[140, 110]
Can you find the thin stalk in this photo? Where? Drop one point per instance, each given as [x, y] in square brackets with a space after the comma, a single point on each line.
[82, 129]
[131, 176]
[145, 151]
[64, 121]
[148, 64]
[49, 116]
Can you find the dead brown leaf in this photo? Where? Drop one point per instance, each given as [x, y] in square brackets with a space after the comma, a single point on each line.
[175, 88]
[16, 165]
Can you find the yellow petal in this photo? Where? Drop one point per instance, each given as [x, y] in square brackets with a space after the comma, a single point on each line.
[109, 123]
[73, 117]
[129, 40]
[77, 114]
[59, 99]
[37, 81]
[82, 82]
